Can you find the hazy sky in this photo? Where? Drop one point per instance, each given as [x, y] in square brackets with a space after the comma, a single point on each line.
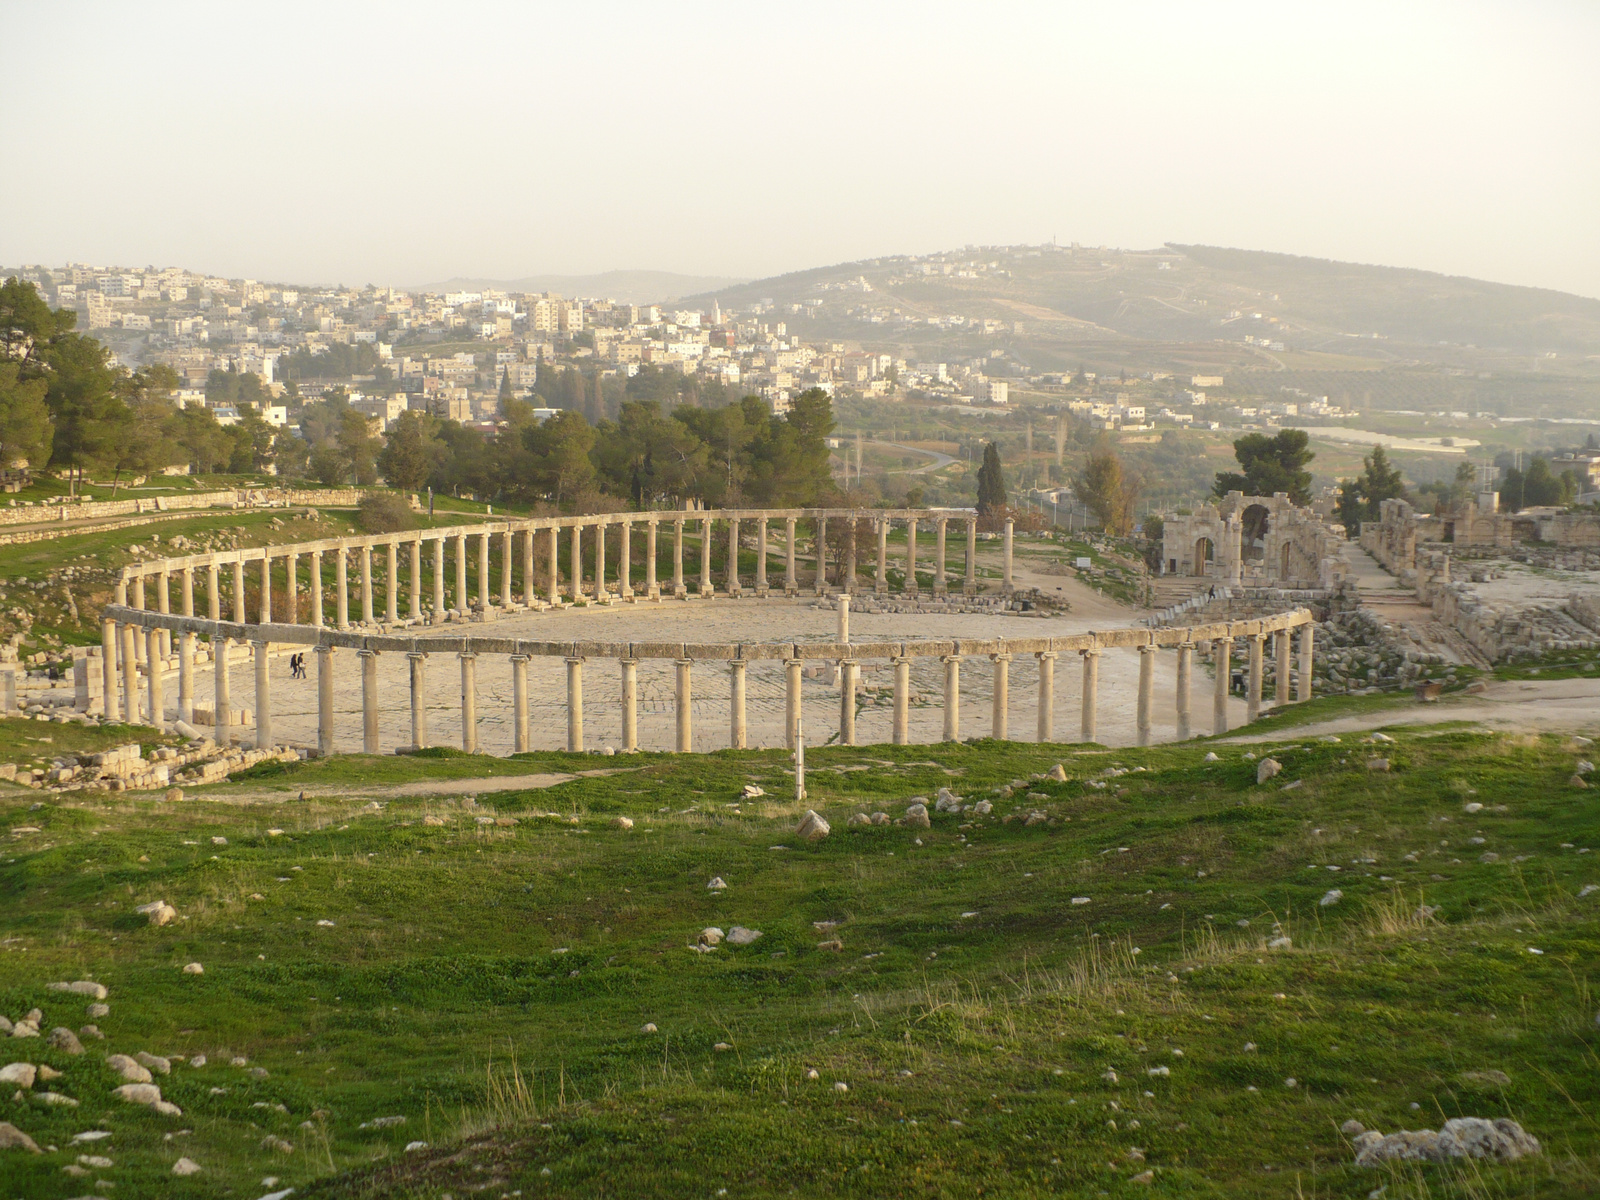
[406, 143]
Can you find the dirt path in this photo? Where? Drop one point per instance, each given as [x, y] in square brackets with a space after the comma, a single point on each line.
[484, 785]
[1554, 706]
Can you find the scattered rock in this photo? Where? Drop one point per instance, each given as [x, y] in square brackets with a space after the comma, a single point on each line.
[982, 808]
[99, 1010]
[1143, 1177]
[1331, 897]
[1211, 756]
[880, 818]
[833, 944]
[175, 795]
[63, 1039]
[752, 792]
[1488, 856]
[623, 823]
[740, 936]
[82, 987]
[186, 1166]
[1352, 1128]
[648, 1027]
[130, 1069]
[158, 911]
[431, 819]
[47, 1072]
[711, 936]
[160, 1066]
[947, 801]
[1578, 781]
[1474, 1137]
[1267, 768]
[858, 819]
[812, 1073]
[716, 884]
[841, 1086]
[275, 1143]
[138, 1093]
[1058, 773]
[193, 969]
[1497, 1078]
[12, 1138]
[917, 816]
[812, 827]
[55, 1100]
[382, 1122]
[1281, 943]
[1377, 764]
[199, 1060]
[721, 1046]
[19, 1074]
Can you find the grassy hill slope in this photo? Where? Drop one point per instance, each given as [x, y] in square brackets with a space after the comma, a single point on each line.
[1016, 1009]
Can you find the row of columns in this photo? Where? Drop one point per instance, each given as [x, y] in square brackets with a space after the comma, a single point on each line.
[572, 589]
[122, 642]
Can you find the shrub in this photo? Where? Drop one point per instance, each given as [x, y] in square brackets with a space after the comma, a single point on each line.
[385, 512]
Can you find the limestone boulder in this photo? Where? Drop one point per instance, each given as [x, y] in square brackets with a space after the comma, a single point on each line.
[130, 1069]
[812, 827]
[1267, 768]
[63, 1039]
[1475, 1137]
[159, 912]
[154, 1062]
[917, 816]
[81, 987]
[12, 1138]
[138, 1093]
[18, 1074]
[740, 936]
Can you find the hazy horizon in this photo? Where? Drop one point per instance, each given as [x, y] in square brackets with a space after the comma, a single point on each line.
[401, 145]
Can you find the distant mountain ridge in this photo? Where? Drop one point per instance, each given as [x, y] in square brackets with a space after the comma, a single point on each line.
[626, 287]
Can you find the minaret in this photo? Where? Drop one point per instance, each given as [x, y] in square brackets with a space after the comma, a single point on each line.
[716, 313]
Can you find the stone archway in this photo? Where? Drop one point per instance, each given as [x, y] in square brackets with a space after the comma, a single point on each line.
[1257, 522]
[1205, 552]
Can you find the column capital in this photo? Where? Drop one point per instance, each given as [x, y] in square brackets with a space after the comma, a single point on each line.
[413, 655]
[366, 652]
[950, 658]
[628, 662]
[1090, 652]
[1041, 655]
[1000, 656]
[576, 660]
[466, 655]
[1147, 648]
[521, 658]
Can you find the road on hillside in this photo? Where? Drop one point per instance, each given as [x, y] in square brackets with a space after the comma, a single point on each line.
[940, 460]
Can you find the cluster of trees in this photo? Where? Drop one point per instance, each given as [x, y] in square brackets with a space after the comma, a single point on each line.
[1108, 489]
[720, 457]
[1538, 485]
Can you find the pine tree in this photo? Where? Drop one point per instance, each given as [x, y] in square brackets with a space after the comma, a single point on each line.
[991, 483]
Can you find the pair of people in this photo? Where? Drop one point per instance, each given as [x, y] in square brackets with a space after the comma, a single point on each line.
[297, 666]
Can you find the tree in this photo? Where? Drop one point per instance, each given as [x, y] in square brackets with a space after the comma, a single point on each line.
[1270, 465]
[206, 445]
[410, 452]
[1107, 491]
[359, 446]
[1360, 498]
[991, 483]
[25, 429]
[560, 456]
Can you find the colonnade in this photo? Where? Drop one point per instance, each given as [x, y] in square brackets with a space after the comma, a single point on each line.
[129, 627]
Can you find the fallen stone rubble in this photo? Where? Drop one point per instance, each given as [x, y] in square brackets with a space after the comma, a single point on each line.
[128, 768]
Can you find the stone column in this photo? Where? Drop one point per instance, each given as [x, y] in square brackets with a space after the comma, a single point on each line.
[848, 583]
[291, 580]
[847, 701]
[601, 594]
[111, 710]
[418, 608]
[325, 743]
[264, 608]
[213, 590]
[732, 565]
[341, 588]
[164, 604]
[790, 587]
[438, 580]
[969, 585]
[519, 704]
[1235, 536]
[1000, 724]
[316, 588]
[678, 590]
[1280, 667]
[761, 556]
[1047, 695]
[240, 617]
[652, 589]
[952, 697]
[419, 698]
[469, 701]
[630, 703]
[791, 702]
[188, 591]
[1185, 675]
[369, 700]
[705, 557]
[1221, 652]
[880, 582]
[821, 546]
[553, 546]
[625, 562]
[1089, 723]
[844, 618]
[391, 585]
[263, 696]
[736, 722]
[222, 702]
[1253, 684]
[530, 585]
[939, 586]
[1308, 633]
[902, 700]
[683, 697]
[366, 585]
[911, 588]
[130, 674]
[1147, 687]
[1006, 586]
[507, 568]
[186, 677]
[153, 670]
[574, 705]
[485, 579]
[463, 597]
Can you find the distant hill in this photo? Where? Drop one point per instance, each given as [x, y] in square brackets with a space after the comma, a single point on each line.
[627, 287]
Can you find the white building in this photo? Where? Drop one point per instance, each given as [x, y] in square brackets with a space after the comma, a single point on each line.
[999, 391]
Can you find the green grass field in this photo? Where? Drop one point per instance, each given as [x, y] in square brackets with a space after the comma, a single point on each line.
[1012, 1010]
